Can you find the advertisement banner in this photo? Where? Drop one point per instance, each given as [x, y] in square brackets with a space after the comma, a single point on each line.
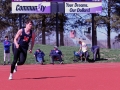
[31, 7]
[57, 0]
[83, 7]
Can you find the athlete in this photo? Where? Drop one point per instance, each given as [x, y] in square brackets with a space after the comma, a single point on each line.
[21, 42]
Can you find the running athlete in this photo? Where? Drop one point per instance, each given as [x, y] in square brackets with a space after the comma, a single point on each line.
[21, 42]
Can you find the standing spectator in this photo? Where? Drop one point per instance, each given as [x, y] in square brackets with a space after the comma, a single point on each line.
[96, 52]
[7, 45]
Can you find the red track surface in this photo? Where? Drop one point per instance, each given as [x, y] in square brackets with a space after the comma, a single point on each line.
[89, 76]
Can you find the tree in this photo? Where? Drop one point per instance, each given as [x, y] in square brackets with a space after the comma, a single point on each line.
[44, 24]
[117, 7]
[106, 19]
[116, 19]
[4, 7]
[43, 29]
[62, 19]
[8, 20]
[108, 25]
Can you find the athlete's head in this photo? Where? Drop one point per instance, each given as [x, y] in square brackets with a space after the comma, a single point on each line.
[29, 24]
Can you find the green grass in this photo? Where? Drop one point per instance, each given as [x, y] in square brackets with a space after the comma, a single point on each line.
[111, 54]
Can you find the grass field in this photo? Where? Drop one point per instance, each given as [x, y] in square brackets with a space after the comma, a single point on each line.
[112, 55]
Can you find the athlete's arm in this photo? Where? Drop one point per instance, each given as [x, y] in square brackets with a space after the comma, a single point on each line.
[16, 38]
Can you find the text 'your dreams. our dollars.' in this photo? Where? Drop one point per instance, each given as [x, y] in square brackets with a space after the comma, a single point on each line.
[77, 7]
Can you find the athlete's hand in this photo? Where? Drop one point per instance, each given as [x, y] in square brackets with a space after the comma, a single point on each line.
[30, 51]
[17, 45]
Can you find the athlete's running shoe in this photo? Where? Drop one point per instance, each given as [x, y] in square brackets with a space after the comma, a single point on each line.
[10, 77]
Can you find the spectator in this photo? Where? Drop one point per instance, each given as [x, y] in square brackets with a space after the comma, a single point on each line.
[39, 56]
[7, 45]
[83, 50]
[96, 52]
[56, 53]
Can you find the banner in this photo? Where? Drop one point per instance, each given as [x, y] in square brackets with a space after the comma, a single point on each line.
[56, 0]
[31, 7]
[83, 7]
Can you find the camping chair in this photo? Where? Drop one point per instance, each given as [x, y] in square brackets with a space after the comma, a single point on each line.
[80, 57]
[76, 56]
[56, 59]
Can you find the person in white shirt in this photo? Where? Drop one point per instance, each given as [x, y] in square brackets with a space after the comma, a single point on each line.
[83, 50]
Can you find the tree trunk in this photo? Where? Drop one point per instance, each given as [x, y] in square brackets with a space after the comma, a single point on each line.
[43, 36]
[108, 37]
[62, 31]
[61, 38]
[94, 33]
[108, 27]
[43, 30]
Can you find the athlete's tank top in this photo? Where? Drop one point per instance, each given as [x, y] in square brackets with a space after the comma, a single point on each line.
[25, 39]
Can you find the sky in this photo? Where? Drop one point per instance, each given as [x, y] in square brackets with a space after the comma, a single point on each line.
[102, 34]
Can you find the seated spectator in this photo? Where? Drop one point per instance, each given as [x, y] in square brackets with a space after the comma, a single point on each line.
[56, 54]
[39, 56]
[96, 52]
[83, 50]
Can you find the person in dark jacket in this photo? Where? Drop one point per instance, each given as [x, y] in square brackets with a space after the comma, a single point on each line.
[96, 52]
[39, 56]
[56, 53]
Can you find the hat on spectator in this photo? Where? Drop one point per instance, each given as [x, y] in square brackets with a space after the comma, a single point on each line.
[55, 47]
